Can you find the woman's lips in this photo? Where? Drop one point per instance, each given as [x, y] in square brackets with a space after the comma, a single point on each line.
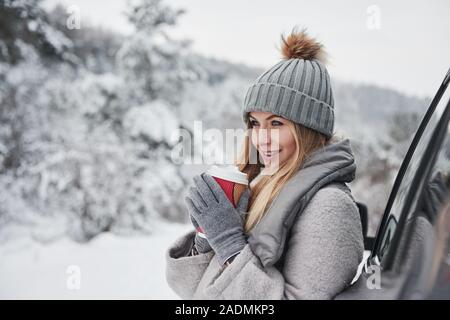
[269, 155]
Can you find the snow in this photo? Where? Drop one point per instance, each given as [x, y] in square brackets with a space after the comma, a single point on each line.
[153, 120]
[110, 266]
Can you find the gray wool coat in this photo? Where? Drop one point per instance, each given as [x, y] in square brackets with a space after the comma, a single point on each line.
[308, 245]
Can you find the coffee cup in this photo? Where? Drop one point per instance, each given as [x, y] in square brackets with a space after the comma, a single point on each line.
[232, 181]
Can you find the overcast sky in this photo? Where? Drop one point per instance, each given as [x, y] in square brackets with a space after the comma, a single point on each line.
[404, 45]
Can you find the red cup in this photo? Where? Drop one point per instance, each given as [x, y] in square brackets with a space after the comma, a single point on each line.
[232, 181]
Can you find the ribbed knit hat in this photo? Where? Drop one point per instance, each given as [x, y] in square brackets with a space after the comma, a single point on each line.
[297, 88]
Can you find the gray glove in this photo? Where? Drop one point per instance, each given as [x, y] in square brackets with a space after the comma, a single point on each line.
[222, 223]
[201, 244]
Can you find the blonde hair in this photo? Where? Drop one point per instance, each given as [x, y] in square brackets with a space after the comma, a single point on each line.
[268, 187]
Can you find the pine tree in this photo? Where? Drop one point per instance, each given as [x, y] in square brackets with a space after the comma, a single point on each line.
[149, 59]
[26, 23]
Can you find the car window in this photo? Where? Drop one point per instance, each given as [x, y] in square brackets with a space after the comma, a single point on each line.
[437, 207]
[388, 234]
[389, 229]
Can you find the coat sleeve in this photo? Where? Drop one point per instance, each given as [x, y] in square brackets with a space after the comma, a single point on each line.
[322, 257]
[183, 272]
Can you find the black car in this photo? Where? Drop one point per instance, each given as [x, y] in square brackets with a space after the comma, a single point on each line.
[410, 255]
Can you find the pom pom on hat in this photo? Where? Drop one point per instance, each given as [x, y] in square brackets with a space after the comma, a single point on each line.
[298, 45]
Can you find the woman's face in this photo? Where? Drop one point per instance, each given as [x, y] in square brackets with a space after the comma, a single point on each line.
[272, 137]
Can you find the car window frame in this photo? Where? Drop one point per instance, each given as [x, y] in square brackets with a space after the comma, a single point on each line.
[373, 258]
[422, 175]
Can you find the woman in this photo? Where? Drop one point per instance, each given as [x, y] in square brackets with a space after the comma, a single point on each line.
[301, 237]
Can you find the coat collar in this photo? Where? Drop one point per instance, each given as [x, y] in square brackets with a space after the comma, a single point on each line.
[333, 163]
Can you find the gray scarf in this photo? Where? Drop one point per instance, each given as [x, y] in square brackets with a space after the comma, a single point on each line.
[332, 164]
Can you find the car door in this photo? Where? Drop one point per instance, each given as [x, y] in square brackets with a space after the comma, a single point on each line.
[385, 272]
[429, 276]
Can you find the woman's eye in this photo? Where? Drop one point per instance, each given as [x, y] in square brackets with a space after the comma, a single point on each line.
[254, 123]
[276, 123]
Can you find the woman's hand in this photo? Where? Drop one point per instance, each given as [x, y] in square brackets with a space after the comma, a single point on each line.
[201, 244]
[222, 223]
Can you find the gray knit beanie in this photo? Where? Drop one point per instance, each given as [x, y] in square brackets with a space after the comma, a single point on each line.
[297, 88]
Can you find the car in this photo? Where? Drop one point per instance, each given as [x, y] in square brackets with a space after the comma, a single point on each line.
[409, 258]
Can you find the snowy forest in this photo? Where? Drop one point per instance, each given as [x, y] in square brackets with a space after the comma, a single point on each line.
[87, 116]
[87, 119]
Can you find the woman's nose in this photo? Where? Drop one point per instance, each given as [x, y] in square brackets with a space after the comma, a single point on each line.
[265, 136]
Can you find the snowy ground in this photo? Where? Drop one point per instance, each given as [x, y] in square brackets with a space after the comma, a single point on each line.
[109, 267]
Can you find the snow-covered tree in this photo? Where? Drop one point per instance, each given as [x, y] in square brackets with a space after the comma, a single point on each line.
[153, 63]
[26, 22]
[94, 47]
[79, 155]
